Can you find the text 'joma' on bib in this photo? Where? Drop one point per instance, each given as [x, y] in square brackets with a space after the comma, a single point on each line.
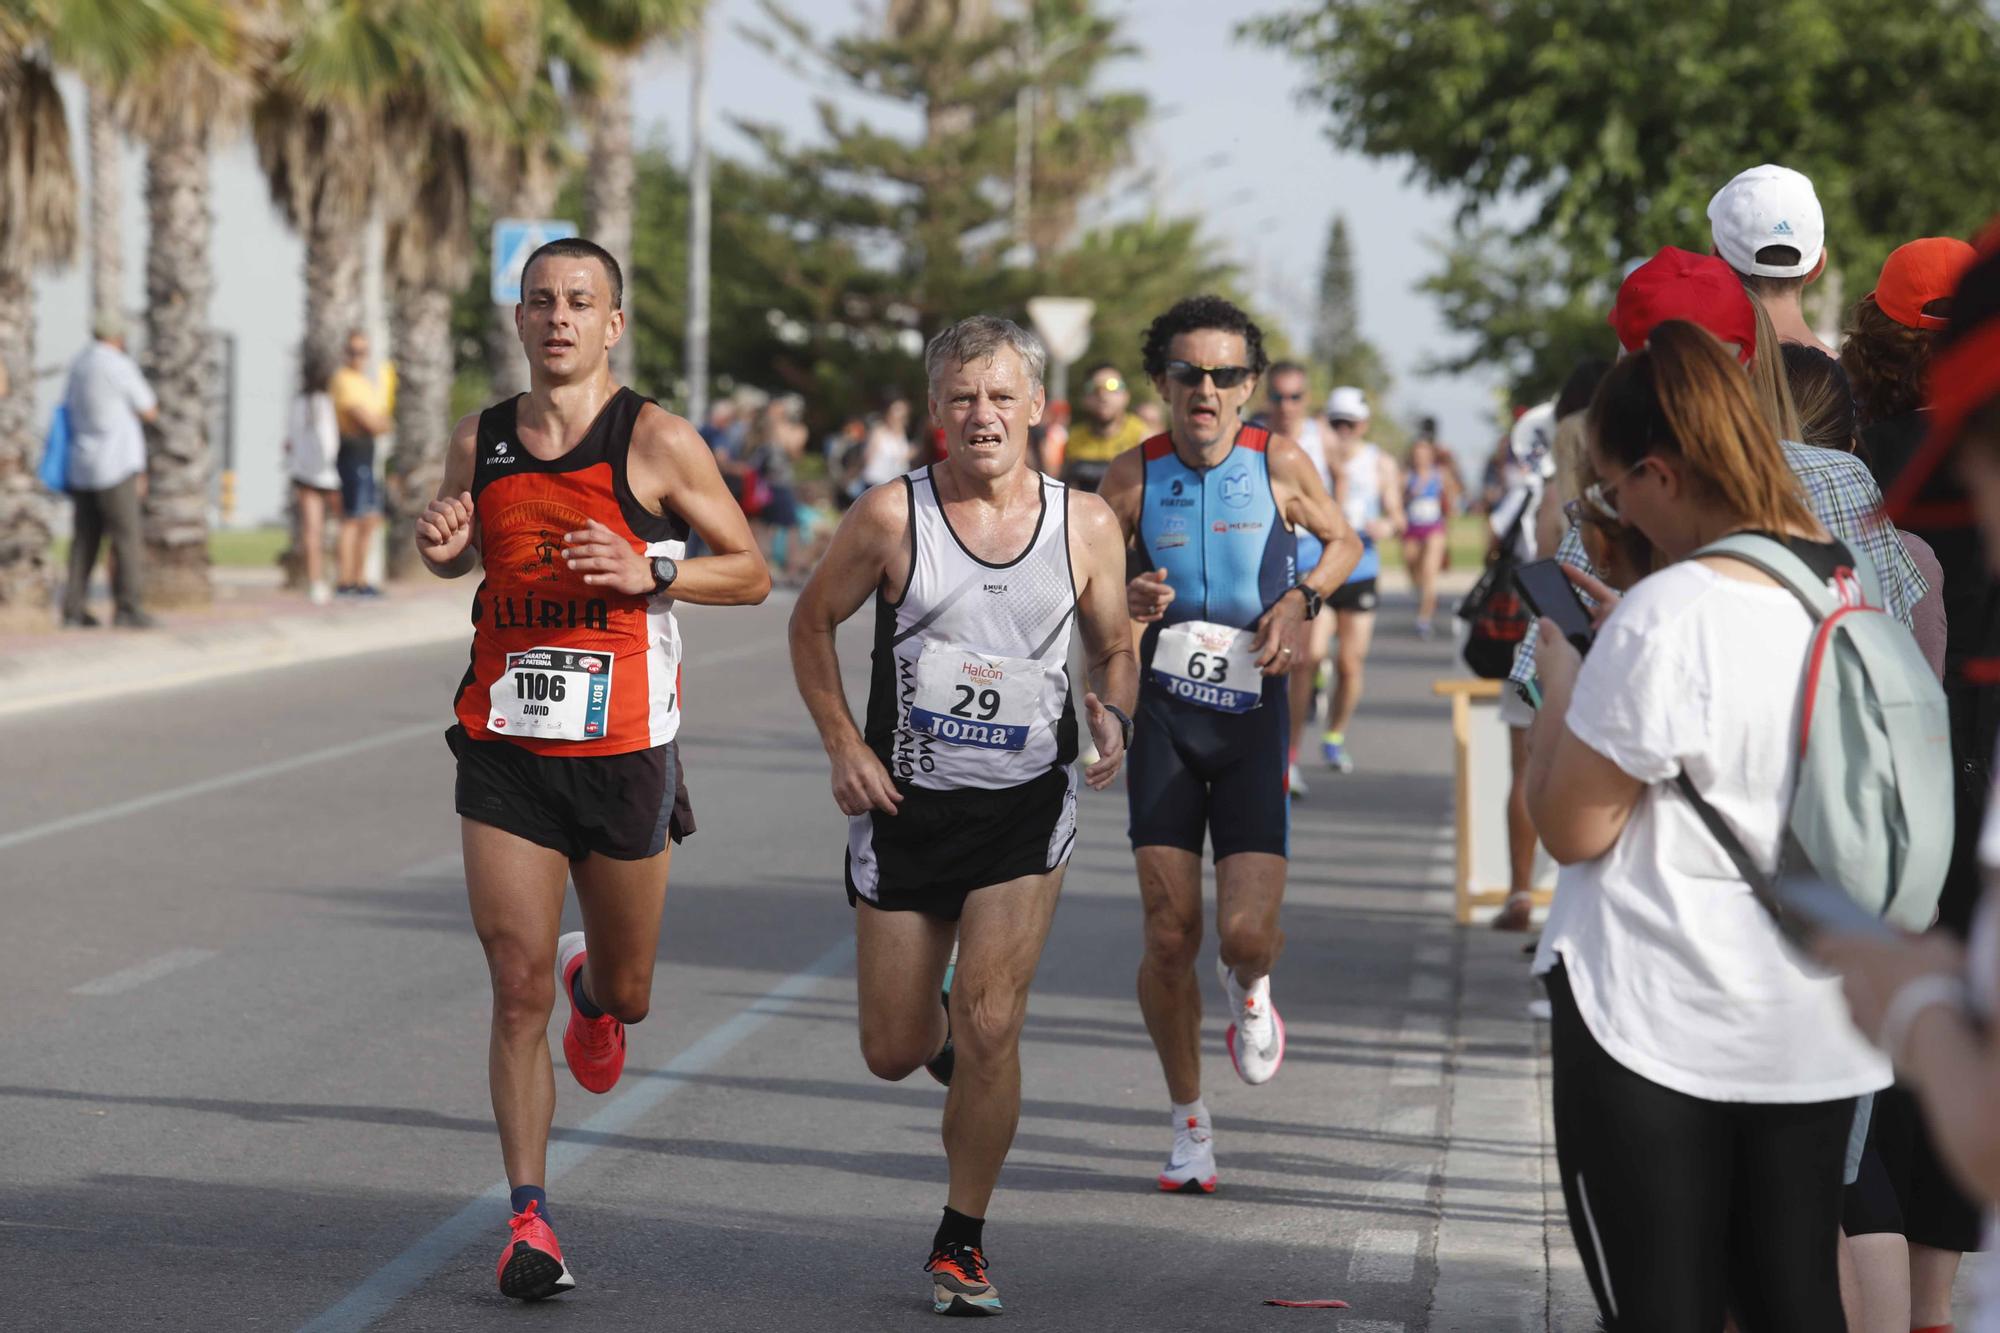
[1210, 665]
[966, 697]
[553, 694]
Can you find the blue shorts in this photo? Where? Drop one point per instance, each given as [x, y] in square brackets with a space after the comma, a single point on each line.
[360, 493]
[1193, 769]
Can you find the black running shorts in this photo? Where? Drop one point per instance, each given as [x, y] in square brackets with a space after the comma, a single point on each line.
[624, 806]
[941, 845]
[1359, 595]
[1193, 769]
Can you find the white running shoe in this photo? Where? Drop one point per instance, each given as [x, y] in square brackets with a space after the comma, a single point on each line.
[1295, 782]
[1190, 1169]
[1256, 1033]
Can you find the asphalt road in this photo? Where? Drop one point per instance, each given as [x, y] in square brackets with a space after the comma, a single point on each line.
[243, 1040]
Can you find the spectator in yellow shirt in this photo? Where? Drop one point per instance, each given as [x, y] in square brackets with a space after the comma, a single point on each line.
[1103, 430]
[363, 402]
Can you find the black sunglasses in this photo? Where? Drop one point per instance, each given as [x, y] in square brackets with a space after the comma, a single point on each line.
[1190, 374]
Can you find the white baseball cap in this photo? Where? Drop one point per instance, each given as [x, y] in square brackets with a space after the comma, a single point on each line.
[1347, 403]
[1765, 206]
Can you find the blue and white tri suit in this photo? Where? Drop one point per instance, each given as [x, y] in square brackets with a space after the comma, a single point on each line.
[1210, 748]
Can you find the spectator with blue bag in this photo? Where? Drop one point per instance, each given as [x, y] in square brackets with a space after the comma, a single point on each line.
[108, 403]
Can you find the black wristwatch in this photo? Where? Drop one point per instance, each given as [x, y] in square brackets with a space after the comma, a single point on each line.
[1124, 722]
[1313, 600]
[665, 572]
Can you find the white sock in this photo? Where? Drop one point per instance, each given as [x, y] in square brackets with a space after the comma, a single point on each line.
[1186, 1111]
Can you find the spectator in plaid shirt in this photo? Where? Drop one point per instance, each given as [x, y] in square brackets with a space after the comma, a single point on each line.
[1839, 490]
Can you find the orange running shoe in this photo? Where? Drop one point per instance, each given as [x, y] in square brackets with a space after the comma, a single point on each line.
[958, 1282]
[531, 1267]
[594, 1047]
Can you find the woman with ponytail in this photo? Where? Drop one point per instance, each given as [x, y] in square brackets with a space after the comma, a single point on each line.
[1704, 1078]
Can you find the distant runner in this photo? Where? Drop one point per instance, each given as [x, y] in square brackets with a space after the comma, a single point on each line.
[577, 498]
[961, 792]
[1371, 493]
[1289, 416]
[1212, 508]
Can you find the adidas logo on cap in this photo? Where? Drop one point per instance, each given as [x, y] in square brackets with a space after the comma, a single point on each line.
[1783, 228]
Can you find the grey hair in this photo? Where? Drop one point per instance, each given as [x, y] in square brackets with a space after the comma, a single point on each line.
[977, 338]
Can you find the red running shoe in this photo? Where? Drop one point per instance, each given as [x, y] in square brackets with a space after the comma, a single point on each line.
[531, 1267]
[594, 1047]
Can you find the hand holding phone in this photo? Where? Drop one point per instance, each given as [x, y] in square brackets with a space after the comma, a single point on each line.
[1548, 592]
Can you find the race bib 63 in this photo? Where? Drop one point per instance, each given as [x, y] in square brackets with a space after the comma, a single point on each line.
[1210, 665]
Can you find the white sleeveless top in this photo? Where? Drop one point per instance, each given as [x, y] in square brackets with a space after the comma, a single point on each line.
[1312, 439]
[971, 671]
[1364, 486]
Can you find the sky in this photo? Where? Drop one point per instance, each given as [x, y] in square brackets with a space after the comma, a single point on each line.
[1229, 142]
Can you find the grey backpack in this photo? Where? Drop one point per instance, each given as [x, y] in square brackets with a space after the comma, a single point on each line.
[1872, 812]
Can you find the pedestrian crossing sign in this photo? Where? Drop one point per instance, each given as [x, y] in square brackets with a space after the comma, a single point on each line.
[514, 239]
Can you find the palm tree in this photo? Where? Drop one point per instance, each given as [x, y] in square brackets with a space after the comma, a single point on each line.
[107, 204]
[37, 227]
[200, 83]
[623, 28]
[107, 40]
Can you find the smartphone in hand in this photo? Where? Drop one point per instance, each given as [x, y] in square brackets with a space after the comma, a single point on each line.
[1548, 592]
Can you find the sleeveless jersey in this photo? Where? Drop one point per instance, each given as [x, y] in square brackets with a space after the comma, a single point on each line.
[559, 666]
[1218, 534]
[1363, 474]
[1423, 500]
[970, 686]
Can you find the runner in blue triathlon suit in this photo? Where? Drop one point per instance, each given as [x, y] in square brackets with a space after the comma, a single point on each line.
[1211, 510]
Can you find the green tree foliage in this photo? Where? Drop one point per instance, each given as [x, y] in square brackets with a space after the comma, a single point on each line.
[1616, 120]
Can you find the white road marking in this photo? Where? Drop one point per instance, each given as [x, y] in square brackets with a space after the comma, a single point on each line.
[259, 772]
[1435, 954]
[1423, 1067]
[207, 786]
[1429, 988]
[1383, 1256]
[139, 974]
[1416, 1122]
[1370, 1326]
[483, 1215]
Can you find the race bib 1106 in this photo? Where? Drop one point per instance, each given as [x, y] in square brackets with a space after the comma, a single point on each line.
[965, 697]
[553, 694]
[1210, 665]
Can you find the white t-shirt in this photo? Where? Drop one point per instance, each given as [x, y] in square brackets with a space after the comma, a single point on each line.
[312, 441]
[105, 395]
[1983, 974]
[1678, 972]
[888, 456]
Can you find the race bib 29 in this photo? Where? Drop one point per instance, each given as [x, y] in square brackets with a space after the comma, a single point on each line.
[971, 698]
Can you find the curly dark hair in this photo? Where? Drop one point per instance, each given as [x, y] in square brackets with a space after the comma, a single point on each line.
[1201, 312]
[1885, 362]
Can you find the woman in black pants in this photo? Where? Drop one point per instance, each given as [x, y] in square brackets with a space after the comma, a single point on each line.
[1704, 1078]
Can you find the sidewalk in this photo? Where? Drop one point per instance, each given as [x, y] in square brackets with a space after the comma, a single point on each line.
[252, 624]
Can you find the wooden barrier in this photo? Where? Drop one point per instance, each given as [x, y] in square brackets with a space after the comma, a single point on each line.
[1482, 770]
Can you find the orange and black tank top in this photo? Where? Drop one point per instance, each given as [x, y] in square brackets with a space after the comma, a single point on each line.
[558, 666]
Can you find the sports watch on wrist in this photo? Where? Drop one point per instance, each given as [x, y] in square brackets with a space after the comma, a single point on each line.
[665, 571]
[1313, 600]
[1124, 723]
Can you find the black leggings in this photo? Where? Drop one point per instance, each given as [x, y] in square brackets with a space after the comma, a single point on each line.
[1685, 1209]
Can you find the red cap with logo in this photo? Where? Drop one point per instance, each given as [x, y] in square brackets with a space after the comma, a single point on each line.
[1679, 284]
[1918, 273]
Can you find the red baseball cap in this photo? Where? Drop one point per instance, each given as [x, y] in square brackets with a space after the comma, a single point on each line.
[1918, 273]
[1679, 284]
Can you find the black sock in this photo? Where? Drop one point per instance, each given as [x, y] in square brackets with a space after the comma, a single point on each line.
[526, 1194]
[958, 1229]
[583, 1004]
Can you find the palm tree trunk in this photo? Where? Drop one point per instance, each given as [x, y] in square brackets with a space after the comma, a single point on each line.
[608, 187]
[422, 346]
[25, 534]
[107, 202]
[508, 365]
[333, 280]
[181, 363]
